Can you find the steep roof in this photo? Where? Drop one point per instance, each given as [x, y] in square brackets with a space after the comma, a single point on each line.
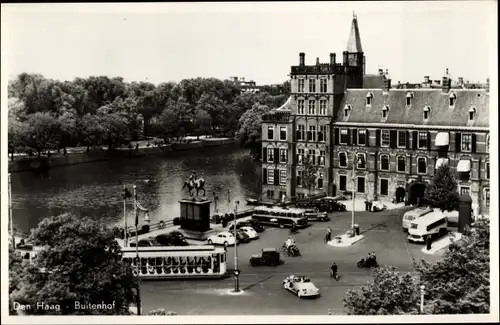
[287, 106]
[354, 42]
[373, 81]
[438, 101]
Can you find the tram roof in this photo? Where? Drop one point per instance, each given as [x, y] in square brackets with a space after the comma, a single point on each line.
[280, 209]
[157, 249]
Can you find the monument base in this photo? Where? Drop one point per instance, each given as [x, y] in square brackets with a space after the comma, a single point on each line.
[198, 235]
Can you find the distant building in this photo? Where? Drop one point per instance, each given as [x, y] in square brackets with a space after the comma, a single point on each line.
[246, 86]
[338, 115]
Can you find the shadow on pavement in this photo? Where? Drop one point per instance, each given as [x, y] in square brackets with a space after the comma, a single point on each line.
[256, 283]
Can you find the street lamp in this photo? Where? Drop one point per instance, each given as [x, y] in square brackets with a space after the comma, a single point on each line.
[422, 292]
[236, 271]
[137, 252]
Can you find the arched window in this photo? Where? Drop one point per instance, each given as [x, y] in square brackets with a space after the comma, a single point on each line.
[409, 97]
[369, 98]
[472, 113]
[422, 165]
[385, 111]
[384, 162]
[361, 160]
[427, 112]
[401, 164]
[452, 99]
[347, 110]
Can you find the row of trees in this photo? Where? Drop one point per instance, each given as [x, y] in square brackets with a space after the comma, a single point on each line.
[51, 114]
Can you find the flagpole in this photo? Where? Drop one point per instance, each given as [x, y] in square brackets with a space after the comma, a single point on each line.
[125, 230]
[137, 252]
[10, 216]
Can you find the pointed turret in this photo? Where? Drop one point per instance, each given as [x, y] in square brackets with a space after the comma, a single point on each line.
[354, 43]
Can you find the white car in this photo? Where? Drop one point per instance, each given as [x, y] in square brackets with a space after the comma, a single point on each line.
[301, 286]
[223, 238]
[250, 232]
[411, 215]
[378, 206]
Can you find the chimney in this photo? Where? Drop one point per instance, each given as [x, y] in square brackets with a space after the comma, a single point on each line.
[317, 61]
[380, 72]
[446, 82]
[387, 83]
[332, 58]
[302, 57]
[345, 57]
[426, 79]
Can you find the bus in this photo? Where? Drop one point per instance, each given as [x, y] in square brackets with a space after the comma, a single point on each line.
[282, 217]
[171, 262]
[433, 224]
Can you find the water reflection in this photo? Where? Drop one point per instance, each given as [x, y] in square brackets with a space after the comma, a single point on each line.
[95, 189]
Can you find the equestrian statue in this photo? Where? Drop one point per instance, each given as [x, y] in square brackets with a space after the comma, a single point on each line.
[195, 183]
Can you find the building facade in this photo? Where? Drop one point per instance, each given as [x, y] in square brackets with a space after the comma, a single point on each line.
[337, 115]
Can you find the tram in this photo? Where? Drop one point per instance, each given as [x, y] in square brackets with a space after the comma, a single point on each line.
[170, 262]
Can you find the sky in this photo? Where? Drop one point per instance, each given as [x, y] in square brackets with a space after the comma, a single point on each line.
[160, 42]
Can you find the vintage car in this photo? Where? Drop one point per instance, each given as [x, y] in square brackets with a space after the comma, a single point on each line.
[411, 215]
[268, 256]
[223, 238]
[313, 215]
[250, 232]
[378, 206]
[301, 286]
[257, 226]
[242, 236]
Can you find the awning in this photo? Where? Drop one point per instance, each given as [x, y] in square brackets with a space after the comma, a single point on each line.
[441, 161]
[463, 166]
[442, 139]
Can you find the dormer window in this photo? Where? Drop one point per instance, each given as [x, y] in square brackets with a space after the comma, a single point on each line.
[472, 113]
[347, 110]
[427, 111]
[385, 111]
[409, 97]
[452, 98]
[369, 97]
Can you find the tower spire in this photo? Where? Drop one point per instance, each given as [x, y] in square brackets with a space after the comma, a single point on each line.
[354, 43]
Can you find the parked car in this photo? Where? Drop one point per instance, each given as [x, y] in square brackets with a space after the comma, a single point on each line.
[378, 206]
[411, 215]
[223, 238]
[301, 286]
[313, 215]
[175, 238]
[268, 256]
[250, 232]
[242, 236]
[256, 225]
[145, 243]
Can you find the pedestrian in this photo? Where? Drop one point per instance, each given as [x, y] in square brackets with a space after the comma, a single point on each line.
[334, 269]
[328, 235]
[428, 241]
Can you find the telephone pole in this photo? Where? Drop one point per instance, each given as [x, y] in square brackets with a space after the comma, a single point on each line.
[236, 271]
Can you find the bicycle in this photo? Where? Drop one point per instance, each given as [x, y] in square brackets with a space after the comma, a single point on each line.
[334, 275]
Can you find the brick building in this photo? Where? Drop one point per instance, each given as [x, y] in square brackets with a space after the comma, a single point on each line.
[397, 135]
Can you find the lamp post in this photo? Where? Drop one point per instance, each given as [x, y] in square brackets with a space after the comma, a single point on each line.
[137, 252]
[236, 271]
[422, 292]
[10, 215]
[125, 230]
[228, 201]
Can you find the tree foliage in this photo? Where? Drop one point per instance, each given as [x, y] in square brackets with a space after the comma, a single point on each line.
[457, 284]
[79, 261]
[442, 193]
[250, 130]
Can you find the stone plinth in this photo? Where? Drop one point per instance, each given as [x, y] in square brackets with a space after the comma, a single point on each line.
[195, 214]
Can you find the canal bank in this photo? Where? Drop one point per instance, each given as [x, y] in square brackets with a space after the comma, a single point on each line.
[99, 155]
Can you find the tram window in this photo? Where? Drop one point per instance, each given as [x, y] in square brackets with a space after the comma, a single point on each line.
[159, 261]
[175, 260]
[181, 260]
[151, 261]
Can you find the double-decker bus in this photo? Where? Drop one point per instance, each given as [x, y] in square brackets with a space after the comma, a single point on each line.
[171, 262]
[282, 217]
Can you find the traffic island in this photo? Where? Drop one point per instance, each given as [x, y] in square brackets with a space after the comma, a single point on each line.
[345, 240]
[231, 292]
[442, 243]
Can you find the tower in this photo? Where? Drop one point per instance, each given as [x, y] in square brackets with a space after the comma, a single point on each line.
[354, 59]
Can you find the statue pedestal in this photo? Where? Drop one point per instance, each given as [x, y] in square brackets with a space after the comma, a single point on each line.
[195, 217]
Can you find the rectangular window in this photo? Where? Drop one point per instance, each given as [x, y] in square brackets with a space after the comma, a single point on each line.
[342, 183]
[487, 197]
[361, 161]
[361, 185]
[422, 140]
[322, 157]
[466, 142]
[270, 176]
[385, 138]
[300, 107]
[402, 139]
[322, 85]
[312, 85]
[270, 194]
[301, 134]
[270, 155]
[487, 170]
[283, 155]
[320, 180]
[344, 136]
[300, 156]
[384, 162]
[322, 133]
[301, 86]
[464, 190]
[384, 186]
[401, 164]
[270, 133]
[283, 133]
[283, 177]
[312, 107]
[312, 133]
[361, 137]
[342, 159]
[322, 107]
[299, 178]
[421, 165]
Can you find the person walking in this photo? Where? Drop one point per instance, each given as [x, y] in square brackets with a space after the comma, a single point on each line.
[328, 236]
[333, 271]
